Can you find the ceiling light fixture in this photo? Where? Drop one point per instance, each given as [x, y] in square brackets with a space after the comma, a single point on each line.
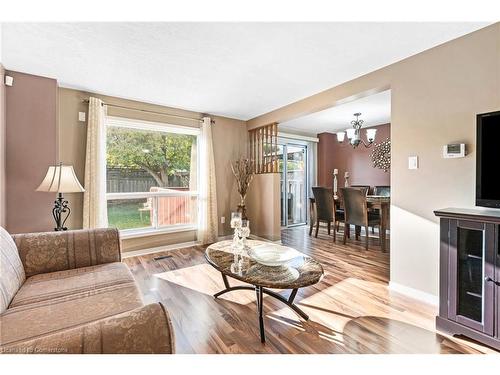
[354, 134]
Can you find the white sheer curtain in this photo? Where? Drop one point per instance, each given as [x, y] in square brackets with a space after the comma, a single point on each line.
[94, 198]
[207, 195]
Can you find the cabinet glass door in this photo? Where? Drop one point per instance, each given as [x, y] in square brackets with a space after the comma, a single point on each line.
[470, 273]
[471, 262]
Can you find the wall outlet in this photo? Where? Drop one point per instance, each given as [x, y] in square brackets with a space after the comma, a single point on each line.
[81, 116]
[412, 162]
[222, 219]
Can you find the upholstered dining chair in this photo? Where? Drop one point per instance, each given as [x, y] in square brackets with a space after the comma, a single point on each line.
[356, 213]
[340, 209]
[325, 209]
[382, 190]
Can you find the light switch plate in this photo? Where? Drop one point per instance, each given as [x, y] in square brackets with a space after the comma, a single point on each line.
[81, 116]
[222, 219]
[9, 81]
[412, 162]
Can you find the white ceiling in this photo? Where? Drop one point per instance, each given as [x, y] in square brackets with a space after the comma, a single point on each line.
[375, 110]
[238, 70]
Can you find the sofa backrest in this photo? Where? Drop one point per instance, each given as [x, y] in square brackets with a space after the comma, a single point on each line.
[12, 274]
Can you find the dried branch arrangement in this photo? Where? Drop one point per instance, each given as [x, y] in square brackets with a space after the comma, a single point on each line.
[243, 172]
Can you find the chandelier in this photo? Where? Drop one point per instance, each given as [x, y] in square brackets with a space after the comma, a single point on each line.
[354, 134]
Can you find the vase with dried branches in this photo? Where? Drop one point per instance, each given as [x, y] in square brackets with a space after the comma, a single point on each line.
[243, 170]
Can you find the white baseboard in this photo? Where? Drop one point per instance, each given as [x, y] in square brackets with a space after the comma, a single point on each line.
[414, 293]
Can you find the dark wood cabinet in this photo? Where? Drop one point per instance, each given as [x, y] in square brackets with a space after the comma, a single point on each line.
[469, 301]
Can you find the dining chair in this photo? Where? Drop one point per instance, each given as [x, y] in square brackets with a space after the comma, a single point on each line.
[366, 189]
[325, 209]
[340, 208]
[384, 191]
[356, 213]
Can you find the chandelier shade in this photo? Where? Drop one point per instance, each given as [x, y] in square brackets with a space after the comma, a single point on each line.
[370, 134]
[351, 133]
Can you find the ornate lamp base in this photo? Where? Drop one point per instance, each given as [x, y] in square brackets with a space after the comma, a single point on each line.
[60, 212]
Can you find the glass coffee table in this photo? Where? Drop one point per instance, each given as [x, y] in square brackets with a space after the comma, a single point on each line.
[299, 272]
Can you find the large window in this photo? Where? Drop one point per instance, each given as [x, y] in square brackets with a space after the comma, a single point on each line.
[151, 176]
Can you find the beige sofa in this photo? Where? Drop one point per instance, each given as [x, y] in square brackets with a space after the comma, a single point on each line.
[68, 292]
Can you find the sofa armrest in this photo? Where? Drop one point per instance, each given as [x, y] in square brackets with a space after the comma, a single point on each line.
[146, 330]
[57, 251]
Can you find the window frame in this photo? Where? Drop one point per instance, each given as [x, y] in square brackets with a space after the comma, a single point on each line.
[135, 124]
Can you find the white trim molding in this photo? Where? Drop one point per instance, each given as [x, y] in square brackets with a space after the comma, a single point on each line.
[298, 137]
[146, 232]
[159, 249]
[135, 124]
[431, 299]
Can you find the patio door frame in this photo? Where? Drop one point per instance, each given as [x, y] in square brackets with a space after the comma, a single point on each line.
[284, 192]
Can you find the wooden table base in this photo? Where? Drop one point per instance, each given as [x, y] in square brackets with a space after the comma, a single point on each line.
[260, 291]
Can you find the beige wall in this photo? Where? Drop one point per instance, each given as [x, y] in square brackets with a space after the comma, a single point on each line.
[229, 137]
[264, 206]
[31, 111]
[435, 98]
[2, 148]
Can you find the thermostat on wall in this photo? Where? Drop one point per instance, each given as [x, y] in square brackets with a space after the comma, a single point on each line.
[454, 150]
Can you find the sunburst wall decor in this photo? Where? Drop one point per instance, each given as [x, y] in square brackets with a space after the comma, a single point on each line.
[381, 155]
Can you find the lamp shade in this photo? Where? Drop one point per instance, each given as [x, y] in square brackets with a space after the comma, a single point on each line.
[61, 179]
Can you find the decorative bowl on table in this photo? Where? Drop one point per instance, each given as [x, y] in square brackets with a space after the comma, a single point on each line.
[272, 255]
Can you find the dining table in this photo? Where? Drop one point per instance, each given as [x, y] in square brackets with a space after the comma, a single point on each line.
[382, 203]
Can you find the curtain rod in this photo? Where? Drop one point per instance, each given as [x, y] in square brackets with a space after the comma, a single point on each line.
[154, 112]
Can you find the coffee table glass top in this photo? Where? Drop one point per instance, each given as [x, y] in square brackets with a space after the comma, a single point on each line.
[299, 272]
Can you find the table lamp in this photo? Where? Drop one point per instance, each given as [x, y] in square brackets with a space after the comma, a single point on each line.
[60, 179]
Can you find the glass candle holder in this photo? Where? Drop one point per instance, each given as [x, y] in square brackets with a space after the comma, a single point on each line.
[236, 223]
[236, 220]
[244, 232]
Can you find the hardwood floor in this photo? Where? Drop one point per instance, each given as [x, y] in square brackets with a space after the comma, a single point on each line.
[351, 310]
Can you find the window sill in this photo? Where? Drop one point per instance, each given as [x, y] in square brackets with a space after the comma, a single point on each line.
[144, 232]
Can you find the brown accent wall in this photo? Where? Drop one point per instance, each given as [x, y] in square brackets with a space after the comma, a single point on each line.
[31, 109]
[358, 162]
[3, 202]
[435, 96]
[229, 137]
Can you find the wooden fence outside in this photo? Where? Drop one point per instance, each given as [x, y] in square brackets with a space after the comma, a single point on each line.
[129, 180]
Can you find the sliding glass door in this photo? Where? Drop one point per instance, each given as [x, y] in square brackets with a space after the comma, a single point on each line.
[293, 170]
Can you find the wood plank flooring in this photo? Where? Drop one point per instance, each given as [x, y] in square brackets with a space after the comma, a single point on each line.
[351, 310]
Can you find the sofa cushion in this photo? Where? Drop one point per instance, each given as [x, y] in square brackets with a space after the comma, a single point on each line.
[66, 299]
[47, 286]
[11, 270]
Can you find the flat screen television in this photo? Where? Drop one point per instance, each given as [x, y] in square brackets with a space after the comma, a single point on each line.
[488, 160]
